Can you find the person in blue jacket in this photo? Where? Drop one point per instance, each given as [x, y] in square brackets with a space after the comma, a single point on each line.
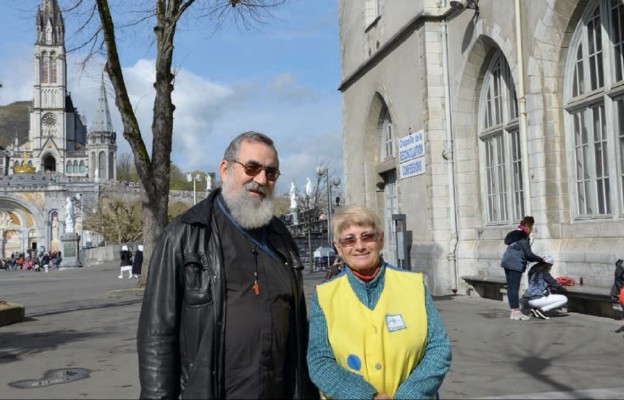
[514, 262]
[374, 330]
[544, 292]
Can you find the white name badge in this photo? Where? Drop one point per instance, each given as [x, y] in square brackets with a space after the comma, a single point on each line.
[394, 322]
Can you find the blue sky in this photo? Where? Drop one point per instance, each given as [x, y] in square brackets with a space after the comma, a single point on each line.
[279, 77]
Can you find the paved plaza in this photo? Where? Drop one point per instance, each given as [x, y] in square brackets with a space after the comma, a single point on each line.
[78, 341]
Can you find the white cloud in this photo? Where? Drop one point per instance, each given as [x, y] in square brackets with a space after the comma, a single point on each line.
[304, 123]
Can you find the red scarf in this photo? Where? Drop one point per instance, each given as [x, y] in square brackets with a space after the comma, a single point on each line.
[366, 276]
[524, 229]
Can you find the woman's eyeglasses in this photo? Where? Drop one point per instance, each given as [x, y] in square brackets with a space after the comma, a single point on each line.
[366, 237]
[253, 168]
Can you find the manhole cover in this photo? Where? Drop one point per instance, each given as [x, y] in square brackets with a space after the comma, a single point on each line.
[53, 377]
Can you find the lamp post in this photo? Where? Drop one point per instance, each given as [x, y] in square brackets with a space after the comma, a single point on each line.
[195, 179]
[335, 182]
[323, 171]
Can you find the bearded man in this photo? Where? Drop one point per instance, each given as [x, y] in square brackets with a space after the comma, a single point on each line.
[223, 313]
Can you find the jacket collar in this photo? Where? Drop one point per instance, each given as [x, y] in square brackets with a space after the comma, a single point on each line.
[201, 213]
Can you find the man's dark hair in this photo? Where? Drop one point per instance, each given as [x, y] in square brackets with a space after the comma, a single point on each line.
[527, 221]
[231, 153]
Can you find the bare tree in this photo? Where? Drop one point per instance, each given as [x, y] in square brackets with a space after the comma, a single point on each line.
[117, 221]
[154, 169]
[124, 167]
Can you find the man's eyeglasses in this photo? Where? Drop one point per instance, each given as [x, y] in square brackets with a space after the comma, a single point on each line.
[351, 240]
[253, 168]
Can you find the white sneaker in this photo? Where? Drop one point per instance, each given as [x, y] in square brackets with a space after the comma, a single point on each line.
[120, 277]
[518, 316]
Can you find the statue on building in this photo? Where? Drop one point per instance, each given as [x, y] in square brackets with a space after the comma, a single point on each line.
[69, 216]
[208, 183]
[5, 220]
[308, 187]
[55, 227]
[293, 195]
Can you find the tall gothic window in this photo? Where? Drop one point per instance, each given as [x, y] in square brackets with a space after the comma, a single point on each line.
[44, 67]
[102, 165]
[386, 134]
[594, 96]
[501, 145]
[49, 73]
[52, 61]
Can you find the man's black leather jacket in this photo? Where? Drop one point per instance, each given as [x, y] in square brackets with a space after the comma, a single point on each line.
[181, 326]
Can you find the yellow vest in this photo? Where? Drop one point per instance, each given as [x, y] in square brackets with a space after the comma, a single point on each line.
[382, 345]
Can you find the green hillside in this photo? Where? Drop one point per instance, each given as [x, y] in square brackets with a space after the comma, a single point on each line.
[14, 118]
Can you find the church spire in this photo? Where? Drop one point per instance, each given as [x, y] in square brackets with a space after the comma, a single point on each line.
[102, 122]
[49, 24]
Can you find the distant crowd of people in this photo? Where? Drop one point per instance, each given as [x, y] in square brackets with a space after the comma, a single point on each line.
[42, 261]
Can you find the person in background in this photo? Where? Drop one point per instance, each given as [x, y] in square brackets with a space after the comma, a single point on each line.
[45, 261]
[514, 262]
[224, 313]
[125, 265]
[137, 262]
[54, 260]
[617, 290]
[374, 330]
[335, 268]
[541, 283]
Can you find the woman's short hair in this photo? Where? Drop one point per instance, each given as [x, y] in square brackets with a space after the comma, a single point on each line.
[356, 214]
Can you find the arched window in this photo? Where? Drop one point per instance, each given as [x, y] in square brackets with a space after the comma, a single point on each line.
[52, 60]
[594, 101]
[386, 134]
[102, 165]
[81, 167]
[44, 67]
[500, 149]
[111, 165]
[69, 168]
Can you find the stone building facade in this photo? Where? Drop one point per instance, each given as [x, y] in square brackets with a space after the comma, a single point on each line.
[62, 158]
[463, 116]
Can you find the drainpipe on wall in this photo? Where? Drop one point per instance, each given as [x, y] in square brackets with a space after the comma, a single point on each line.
[450, 160]
[522, 109]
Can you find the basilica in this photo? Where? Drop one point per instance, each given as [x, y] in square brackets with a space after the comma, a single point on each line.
[64, 158]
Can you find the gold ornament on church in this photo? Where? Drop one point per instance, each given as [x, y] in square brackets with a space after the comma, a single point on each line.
[24, 168]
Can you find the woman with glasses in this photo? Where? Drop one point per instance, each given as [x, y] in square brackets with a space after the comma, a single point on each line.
[374, 330]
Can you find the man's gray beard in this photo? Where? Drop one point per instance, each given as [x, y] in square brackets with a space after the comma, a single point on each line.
[250, 213]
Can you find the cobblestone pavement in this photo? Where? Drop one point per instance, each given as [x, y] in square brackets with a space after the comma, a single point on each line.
[78, 341]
